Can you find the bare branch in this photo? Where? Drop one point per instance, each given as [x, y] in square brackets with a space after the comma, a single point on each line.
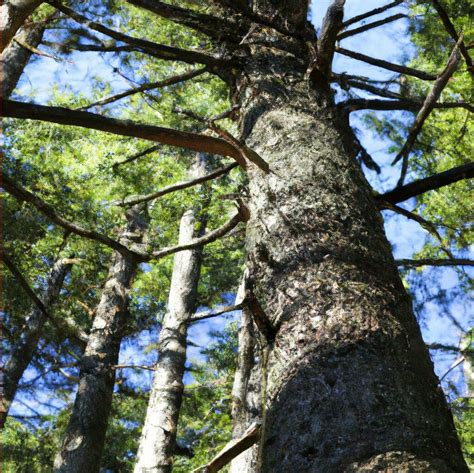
[70, 326]
[167, 136]
[399, 194]
[136, 156]
[453, 33]
[332, 24]
[22, 194]
[198, 242]
[454, 365]
[428, 226]
[159, 51]
[415, 263]
[353, 105]
[346, 81]
[426, 109]
[207, 315]
[215, 27]
[150, 86]
[231, 450]
[409, 71]
[175, 187]
[140, 367]
[370, 26]
[370, 13]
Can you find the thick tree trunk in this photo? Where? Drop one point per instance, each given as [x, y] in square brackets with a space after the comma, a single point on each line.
[158, 440]
[23, 349]
[15, 57]
[83, 442]
[350, 385]
[13, 14]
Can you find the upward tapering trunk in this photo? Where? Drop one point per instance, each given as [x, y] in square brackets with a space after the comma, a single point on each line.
[83, 442]
[349, 382]
[158, 440]
[23, 349]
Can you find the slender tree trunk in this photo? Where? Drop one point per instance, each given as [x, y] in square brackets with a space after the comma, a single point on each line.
[83, 442]
[158, 440]
[13, 14]
[23, 349]
[15, 57]
[247, 388]
[349, 382]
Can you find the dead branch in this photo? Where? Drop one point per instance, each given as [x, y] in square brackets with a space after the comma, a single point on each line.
[426, 109]
[176, 187]
[370, 26]
[145, 87]
[409, 71]
[399, 194]
[415, 263]
[370, 13]
[207, 315]
[231, 450]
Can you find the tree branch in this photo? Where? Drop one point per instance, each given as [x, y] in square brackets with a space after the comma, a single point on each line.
[415, 263]
[72, 329]
[399, 194]
[409, 71]
[453, 33]
[426, 109]
[23, 195]
[136, 156]
[166, 136]
[198, 242]
[332, 24]
[207, 315]
[428, 226]
[353, 105]
[346, 81]
[150, 86]
[231, 450]
[370, 26]
[175, 187]
[212, 26]
[370, 13]
[159, 51]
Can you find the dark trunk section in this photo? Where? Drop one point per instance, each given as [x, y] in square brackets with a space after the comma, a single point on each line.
[83, 442]
[349, 382]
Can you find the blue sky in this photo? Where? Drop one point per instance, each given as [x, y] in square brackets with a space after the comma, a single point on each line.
[390, 42]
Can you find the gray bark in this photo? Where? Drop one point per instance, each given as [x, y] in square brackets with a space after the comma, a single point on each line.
[349, 382]
[15, 57]
[23, 349]
[246, 390]
[83, 442]
[158, 440]
[13, 14]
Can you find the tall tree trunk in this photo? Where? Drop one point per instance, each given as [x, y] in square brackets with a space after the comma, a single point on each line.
[13, 14]
[15, 57]
[158, 440]
[23, 349]
[247, 388]
[350, 385]
[83, 442]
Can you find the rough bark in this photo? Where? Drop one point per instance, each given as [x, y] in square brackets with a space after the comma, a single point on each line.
[23, 349]
[349, 382]
[15, 57]
[83, 442]
[13, 14]
[158, 440]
